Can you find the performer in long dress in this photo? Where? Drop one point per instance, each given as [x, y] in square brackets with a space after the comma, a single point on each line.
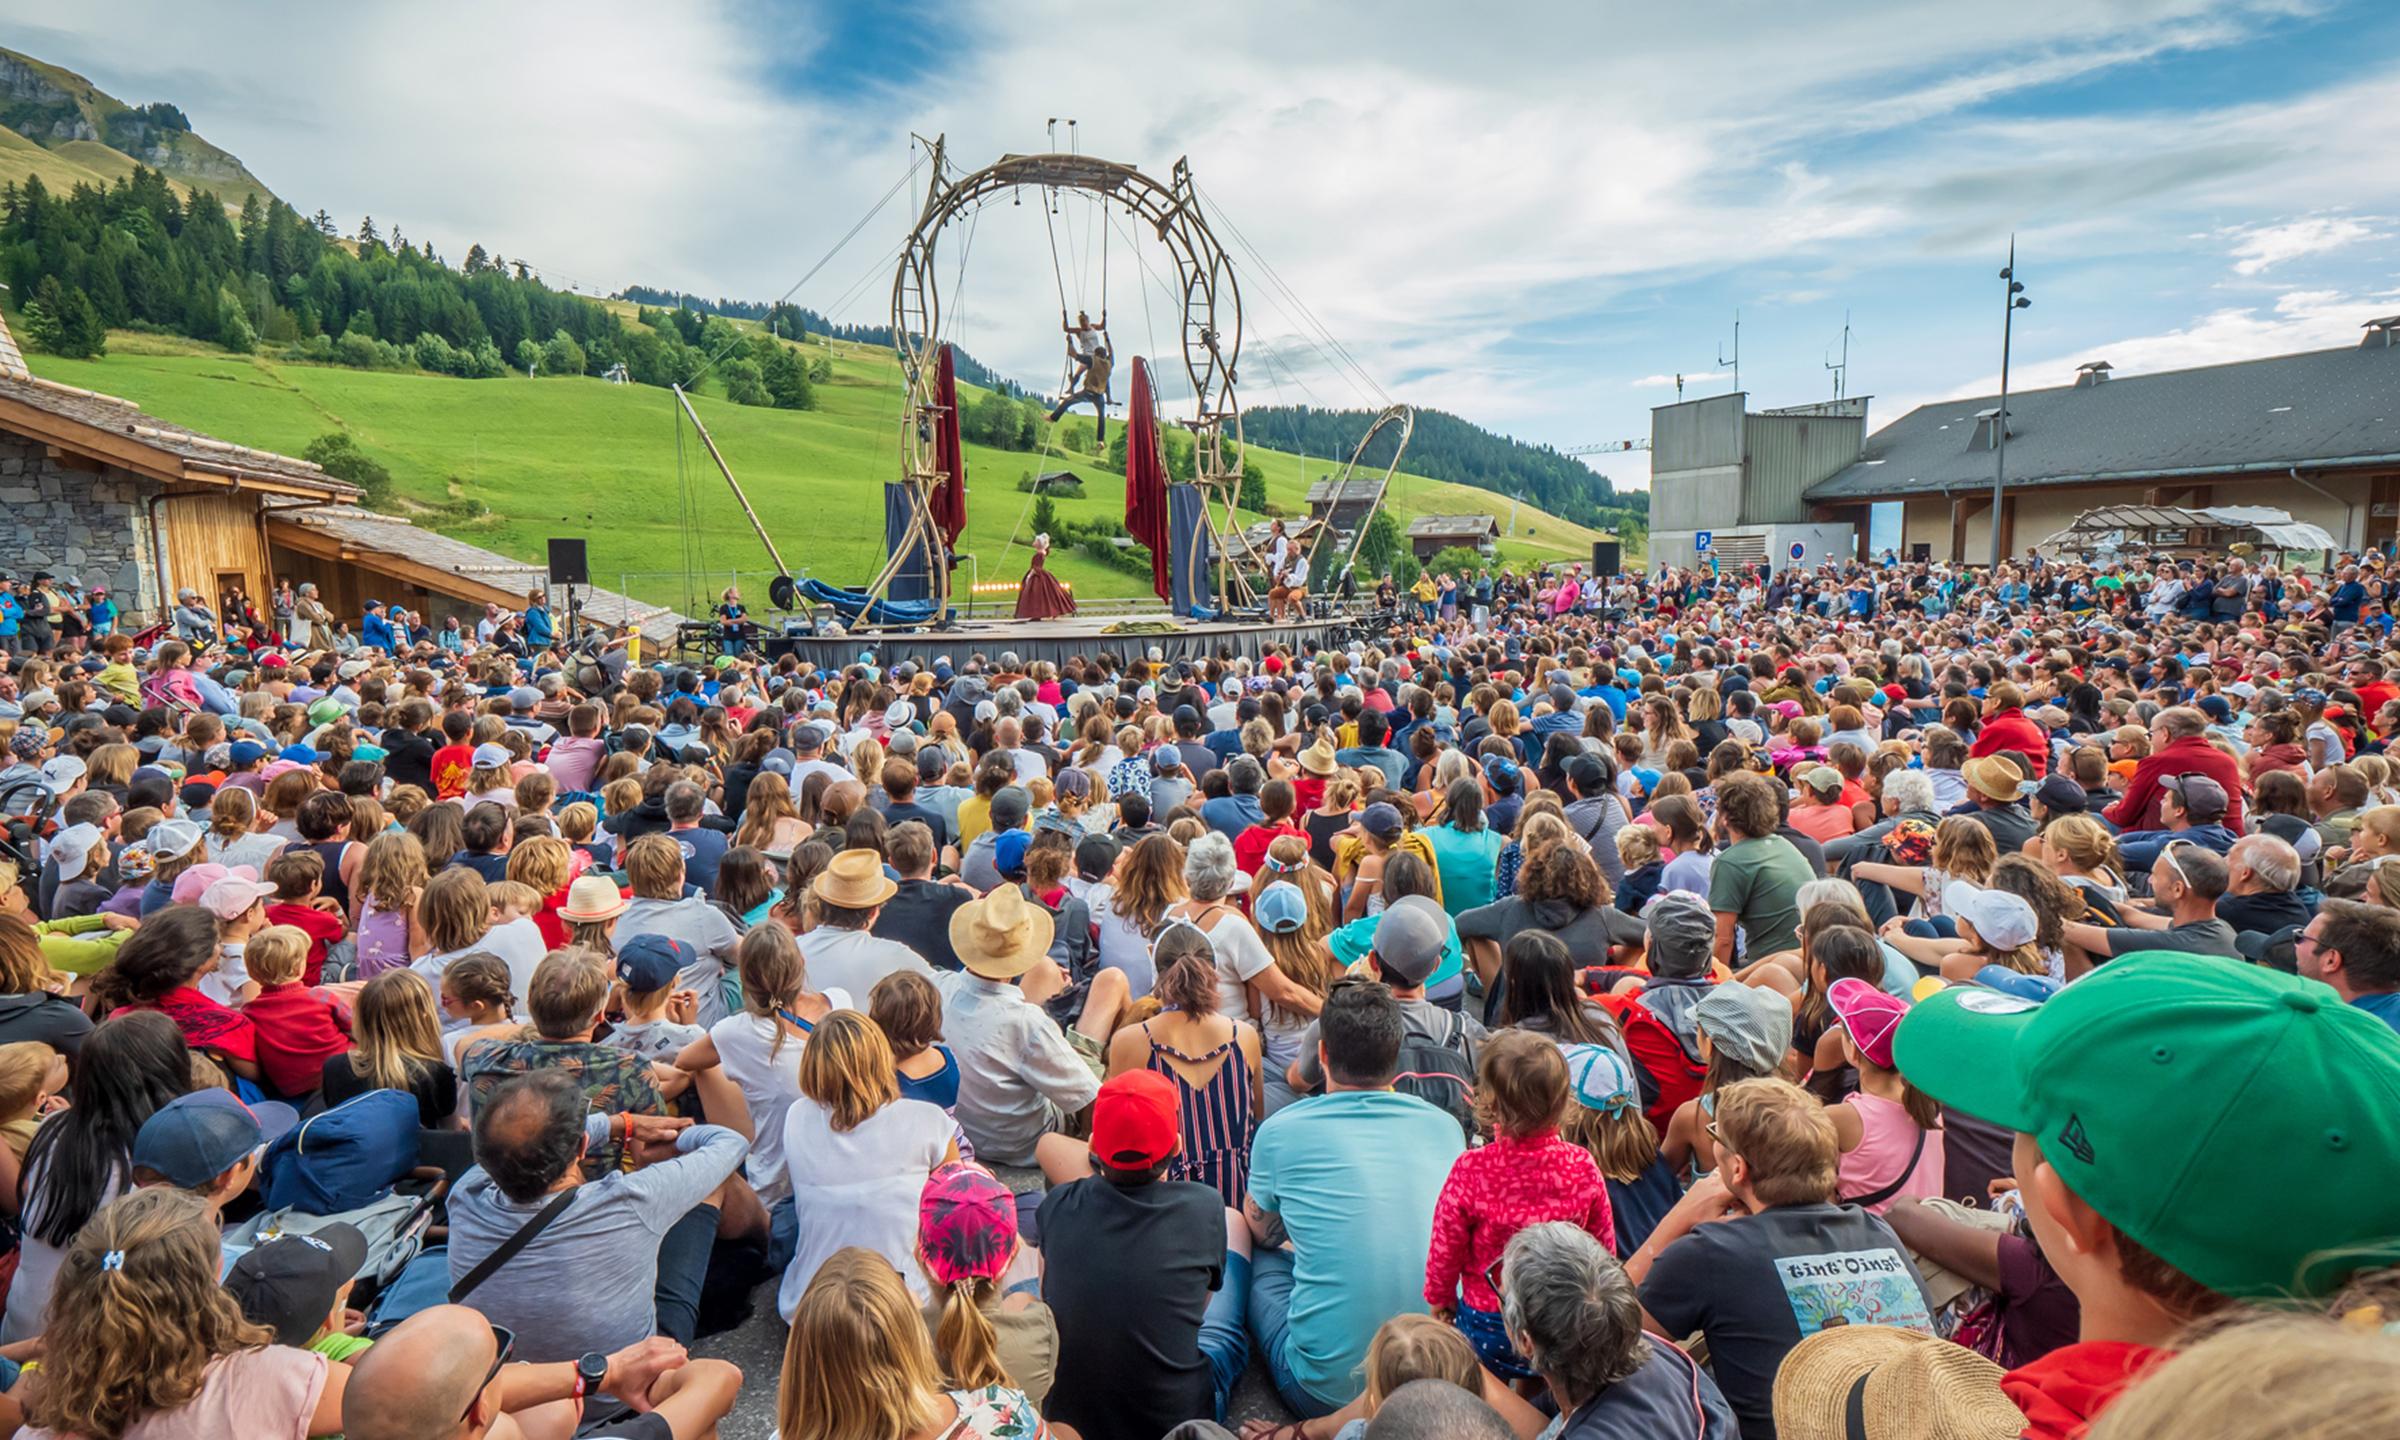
[1040, 596]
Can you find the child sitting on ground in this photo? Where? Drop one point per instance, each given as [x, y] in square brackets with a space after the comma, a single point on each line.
[908, 1010]
[30, 1074]
[299, 879]
[299, 1029]
[237, 900]
[1406, 1349]
[1526, 1175]
[513, 900]
[1607, 1121]
[299, 1288]
[658, 1017]
[1645, 867]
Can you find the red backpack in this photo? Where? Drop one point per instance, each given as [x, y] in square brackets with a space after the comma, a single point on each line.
[1668, 1076]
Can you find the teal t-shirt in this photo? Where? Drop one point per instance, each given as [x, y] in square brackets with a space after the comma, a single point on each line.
[1468, 861]
[1354, 1175]
[1351, 943]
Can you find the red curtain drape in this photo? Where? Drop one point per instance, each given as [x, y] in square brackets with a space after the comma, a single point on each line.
[1146, 476]
[949, 499]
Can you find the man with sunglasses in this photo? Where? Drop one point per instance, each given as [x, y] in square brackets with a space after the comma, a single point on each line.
[2186, 881]
[447, 1373]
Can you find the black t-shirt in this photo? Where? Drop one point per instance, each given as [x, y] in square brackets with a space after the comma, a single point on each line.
[434, 1085]
[408, 758]
[1758, 1285]
[1130, 1368]
[918, 916]
[56, 1022]
[1321, 830]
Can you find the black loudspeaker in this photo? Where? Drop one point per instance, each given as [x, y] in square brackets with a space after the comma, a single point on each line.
[1605, 557]
[568, 566]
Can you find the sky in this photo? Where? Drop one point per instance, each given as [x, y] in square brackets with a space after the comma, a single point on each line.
[1536, 216]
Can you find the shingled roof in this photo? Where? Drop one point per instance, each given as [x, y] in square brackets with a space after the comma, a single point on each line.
[1428, 527]
[1353, 492]
[122, 433]
[2318, 409]
[476, 569]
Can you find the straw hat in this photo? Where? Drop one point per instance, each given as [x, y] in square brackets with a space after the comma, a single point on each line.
[1000, 936]
[1993, 777]
[1318, 759]
[854, 881]
[1892, 1383]
[592, 898]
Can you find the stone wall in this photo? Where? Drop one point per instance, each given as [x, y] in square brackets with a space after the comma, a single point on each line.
[75, 523]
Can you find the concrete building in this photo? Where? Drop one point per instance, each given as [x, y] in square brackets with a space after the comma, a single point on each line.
[1741, 477]
[2316, 434]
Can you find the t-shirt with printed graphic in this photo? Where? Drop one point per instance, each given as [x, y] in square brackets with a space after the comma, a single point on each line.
[1757, 1285]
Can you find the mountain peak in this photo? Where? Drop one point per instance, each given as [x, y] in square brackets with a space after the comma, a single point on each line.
[59, 125]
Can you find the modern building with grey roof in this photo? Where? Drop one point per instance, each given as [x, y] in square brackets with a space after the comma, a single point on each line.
[2316, 433]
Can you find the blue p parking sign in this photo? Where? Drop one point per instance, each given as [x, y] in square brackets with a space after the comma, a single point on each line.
[1701, 540]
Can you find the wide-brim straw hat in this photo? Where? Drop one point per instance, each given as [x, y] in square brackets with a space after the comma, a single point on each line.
[1000, 936]
[1993, 777]
[592, 898]
[1318, 759]
[854, 880]
[1873, 1382]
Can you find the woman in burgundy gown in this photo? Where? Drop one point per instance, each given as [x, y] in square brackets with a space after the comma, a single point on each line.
[1039, 595]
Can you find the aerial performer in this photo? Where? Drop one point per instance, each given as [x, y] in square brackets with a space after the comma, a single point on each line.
[1089, 363]
[1040, 596]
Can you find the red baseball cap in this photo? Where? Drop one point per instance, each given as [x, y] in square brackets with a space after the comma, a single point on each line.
[1133, 1120]
[1273, 664]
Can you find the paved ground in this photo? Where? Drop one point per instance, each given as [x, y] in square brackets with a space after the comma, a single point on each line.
[758, 1345]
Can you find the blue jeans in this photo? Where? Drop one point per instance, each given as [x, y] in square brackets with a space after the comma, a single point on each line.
[1223, 1342]
[1940, 927]
[1271, 1325]
[783, 1234]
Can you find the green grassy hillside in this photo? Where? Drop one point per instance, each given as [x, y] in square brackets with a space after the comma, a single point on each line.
[583, 457]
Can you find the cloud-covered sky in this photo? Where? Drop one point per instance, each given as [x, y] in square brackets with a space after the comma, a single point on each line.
[1536, 215]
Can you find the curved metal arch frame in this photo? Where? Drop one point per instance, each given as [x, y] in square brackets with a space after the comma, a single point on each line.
[1404, 416]
[1212, 330]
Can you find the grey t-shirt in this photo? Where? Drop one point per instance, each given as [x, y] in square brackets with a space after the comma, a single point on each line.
[587, 1282]
[2202, 937]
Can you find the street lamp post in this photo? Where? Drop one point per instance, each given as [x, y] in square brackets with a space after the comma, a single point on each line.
[2012, 300]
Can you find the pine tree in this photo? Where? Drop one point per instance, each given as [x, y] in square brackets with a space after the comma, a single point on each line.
[82, 334]
[477, 260]
[367, 238]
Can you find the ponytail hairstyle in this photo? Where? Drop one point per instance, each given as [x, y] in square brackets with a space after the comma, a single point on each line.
[773, 975]
[964, 1343]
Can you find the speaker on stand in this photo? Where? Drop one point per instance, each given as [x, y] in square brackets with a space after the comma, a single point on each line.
[570, 567]
[1607, 558]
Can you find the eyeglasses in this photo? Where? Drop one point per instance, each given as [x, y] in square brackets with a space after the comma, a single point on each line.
[504, 1345]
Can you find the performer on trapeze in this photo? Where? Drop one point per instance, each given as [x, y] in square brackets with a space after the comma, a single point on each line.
[1089, 363]
[1040, 596]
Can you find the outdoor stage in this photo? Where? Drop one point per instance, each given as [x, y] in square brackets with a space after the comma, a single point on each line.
[1057, 640]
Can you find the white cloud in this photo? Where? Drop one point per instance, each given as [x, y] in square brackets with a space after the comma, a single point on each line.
[1473, 200]
[2263, 247]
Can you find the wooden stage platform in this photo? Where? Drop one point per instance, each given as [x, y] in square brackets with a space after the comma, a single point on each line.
[1060, 639]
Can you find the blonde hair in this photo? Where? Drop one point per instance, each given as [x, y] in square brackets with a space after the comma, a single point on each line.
[1964, 850]
[393, 873]
[276, 955]
[455, 910]
[964, 1342]
[230, 812]
[1624, 1145]
[1785, 1138]
[1637, 845]
[773, 973]
[542, 863]
[397, 1022]
[1407, 1348]
[848, 1069]
[514, 895]
[137, 1317]
[2268, 1378]
[857, 1364]
[578, 821]
[2086, 842]
[23, 1066]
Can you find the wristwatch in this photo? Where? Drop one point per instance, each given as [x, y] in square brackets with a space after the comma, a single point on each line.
[590, 1370]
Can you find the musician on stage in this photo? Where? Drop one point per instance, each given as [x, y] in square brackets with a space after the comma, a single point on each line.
[735, 628]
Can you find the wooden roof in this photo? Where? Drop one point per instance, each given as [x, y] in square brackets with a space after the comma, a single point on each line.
[1428, 527]
[121, 433]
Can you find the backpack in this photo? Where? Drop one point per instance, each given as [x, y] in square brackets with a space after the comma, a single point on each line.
[1666, 1075]
[1437, 1072]
[394, 1228]
[345, 1159]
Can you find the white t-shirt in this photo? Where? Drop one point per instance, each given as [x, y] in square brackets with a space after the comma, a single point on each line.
[860, 1188]
[224, 984]
[517, 944]
[769, 1077]
[1240, 956]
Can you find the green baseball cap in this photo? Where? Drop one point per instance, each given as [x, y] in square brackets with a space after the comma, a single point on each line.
[2239, 1123]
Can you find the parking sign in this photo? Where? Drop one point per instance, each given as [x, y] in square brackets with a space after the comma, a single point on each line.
[1702, 540]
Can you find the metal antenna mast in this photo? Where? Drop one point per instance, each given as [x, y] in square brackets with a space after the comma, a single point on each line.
[1735, 364]
[1841, 368]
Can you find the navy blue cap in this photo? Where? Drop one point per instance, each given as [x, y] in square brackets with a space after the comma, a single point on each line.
[192, 1139]
[651, 962]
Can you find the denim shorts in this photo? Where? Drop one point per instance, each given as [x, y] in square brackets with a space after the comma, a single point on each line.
[1490, 1339]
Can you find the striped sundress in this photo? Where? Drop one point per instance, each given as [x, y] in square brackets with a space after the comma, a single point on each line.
[1214, 1118]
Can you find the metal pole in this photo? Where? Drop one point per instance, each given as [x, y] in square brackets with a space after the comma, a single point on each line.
[2008, 320]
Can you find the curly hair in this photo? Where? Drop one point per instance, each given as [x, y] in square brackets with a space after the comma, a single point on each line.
[137, 1316]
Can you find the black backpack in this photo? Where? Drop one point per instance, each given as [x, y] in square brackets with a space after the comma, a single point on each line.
[1437, 1072]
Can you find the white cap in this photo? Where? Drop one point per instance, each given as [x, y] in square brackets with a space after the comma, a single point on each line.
[60, 771]
[491, 755]
[2001, 917]
[72, 849]
[172, 839]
